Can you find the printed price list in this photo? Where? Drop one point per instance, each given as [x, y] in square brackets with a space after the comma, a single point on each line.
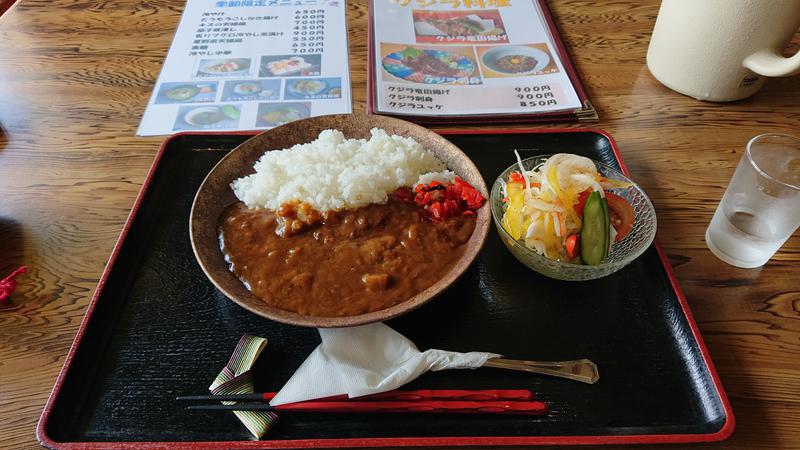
[535, 96]
[308, 33]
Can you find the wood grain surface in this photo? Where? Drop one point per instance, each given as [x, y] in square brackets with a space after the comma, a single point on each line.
[75, 76]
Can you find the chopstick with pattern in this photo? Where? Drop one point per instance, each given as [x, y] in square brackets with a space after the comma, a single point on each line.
[392, 406]
[411, 395]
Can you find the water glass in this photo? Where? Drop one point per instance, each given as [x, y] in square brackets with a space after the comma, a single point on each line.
[761, 207]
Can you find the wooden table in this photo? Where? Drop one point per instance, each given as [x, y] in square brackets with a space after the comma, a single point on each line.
[75, 77]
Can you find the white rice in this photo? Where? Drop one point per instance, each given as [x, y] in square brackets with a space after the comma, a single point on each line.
[333, 173]
[444, 177]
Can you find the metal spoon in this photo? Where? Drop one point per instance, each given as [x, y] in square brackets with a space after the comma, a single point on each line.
[581, 370]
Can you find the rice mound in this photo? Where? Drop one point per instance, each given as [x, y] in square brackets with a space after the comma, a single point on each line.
[333, 173]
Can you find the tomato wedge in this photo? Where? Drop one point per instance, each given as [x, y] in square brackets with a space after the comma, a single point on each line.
[622, 215]
[573, 246]
[582, 197]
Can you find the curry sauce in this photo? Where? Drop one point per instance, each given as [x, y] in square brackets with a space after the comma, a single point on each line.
[343, 263]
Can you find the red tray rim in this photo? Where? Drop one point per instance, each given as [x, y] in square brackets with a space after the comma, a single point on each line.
[723, 433]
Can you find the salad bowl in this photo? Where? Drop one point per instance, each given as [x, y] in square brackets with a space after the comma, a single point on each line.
[622, 253]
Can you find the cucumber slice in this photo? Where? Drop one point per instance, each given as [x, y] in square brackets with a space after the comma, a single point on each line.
[594, 234]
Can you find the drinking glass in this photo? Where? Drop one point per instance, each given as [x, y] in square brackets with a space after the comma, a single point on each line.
[761, 207]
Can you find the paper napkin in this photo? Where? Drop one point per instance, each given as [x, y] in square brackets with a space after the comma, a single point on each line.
[366, 360]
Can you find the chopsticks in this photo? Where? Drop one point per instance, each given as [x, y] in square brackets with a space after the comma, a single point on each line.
[494, 401]
[419, 394]
[392, 406]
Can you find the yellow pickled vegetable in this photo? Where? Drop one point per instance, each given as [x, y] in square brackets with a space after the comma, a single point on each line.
[567, 197]
[513, 220]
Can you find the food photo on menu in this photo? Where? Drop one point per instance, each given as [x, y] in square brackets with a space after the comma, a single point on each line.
[207, 117]
[290, 65]
[516, 60]
[187, 92]
[313, 88]
[229, 67]
[279, 113]
[454, 255]
[254, 89]
[429, 65]
[459, 26]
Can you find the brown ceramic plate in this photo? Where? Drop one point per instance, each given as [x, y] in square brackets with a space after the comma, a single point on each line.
[215, 195]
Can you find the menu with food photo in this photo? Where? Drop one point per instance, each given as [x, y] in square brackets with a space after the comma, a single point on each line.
[251, 65]
[187, 92]
[243, 90]
[493, 61]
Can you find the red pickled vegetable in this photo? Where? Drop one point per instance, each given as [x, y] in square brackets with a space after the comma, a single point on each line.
[441, 201]
[8, 284]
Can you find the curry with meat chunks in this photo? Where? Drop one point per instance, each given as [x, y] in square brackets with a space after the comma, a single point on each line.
[340, 227]
[341, 263]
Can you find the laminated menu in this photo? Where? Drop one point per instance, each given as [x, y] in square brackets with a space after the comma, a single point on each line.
[251, 64]
[447, 61]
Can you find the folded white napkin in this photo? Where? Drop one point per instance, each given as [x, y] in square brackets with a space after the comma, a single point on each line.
[366, 360]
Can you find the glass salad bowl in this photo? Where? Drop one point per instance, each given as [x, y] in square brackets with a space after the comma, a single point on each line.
[622, 252]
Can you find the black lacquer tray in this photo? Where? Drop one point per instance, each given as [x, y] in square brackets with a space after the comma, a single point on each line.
[157, 328]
